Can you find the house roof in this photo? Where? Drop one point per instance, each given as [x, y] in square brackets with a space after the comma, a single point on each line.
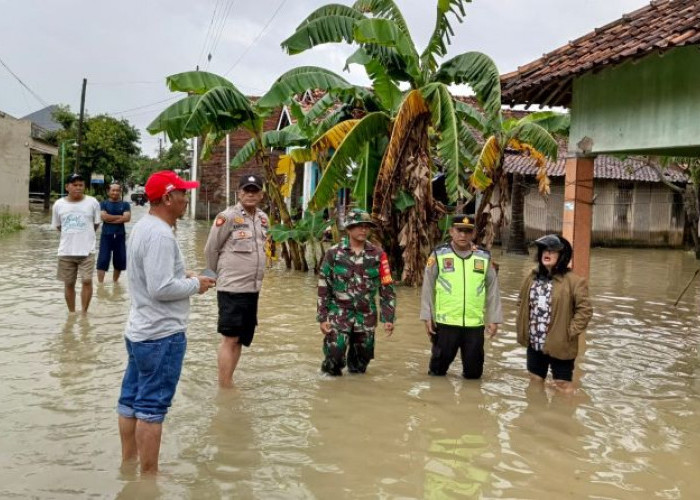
[660, 26]
[44, 118]
[633, 168]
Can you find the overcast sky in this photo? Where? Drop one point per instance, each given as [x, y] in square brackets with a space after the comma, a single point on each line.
[126, 48]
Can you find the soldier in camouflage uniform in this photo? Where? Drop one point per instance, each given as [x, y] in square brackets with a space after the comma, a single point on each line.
[351, 274]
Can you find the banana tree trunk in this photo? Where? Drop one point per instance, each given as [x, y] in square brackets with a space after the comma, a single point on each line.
[276, 197]
[485, 231]
[516, 239]
[410, 235]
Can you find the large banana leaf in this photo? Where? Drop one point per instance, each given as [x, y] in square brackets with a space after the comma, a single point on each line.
[221, 109]
[245, 153]
[552, 122]
[387, 33]
[479, 72]
[287, 137]
[412, 107]
[299, 80]
[172, 120]
[445, 123]
[386, 9]
[472, 116]
[373, 125]
[367, 172]
[440, 39]
[488, 162]
[334, 137]
[196, 82]
[328, 24]
[537, 137]
[319, 108]
[212, 140]
[287, 168]
[389, 95]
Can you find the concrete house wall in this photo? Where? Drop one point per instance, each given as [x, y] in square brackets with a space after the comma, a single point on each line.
[14, 164]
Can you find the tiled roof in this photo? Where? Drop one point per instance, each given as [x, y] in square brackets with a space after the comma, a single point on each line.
[658, 27]
[633, 168]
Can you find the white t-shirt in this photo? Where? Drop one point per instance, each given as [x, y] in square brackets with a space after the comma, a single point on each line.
[77, 221]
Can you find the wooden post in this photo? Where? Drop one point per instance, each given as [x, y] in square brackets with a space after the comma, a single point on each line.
[578, 211]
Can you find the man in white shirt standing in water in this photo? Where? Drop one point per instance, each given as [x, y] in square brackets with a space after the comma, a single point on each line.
[77, 217]
[160, 289]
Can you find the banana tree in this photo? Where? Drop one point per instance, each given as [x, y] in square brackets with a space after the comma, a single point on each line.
[530, 135]
[416, 123]
[215, 107]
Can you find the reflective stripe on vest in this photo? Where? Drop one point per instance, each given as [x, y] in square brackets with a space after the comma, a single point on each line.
[460, 289]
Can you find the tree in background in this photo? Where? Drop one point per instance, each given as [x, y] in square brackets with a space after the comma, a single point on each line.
[110, 146]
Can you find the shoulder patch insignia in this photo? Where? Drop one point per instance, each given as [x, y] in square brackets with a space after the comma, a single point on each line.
[431, 261]
[220, 220]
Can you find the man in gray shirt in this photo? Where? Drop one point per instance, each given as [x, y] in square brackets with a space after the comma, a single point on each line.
[160, 289]
[460, 296]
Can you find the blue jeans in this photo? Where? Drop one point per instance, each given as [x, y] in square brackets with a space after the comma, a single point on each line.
[151, 377]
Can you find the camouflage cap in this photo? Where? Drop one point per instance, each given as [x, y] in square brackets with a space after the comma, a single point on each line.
[358, 216]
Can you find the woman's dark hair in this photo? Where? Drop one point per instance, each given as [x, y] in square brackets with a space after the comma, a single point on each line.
[562, 265]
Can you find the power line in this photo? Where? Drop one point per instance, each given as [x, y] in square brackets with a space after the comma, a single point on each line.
[206, 37]
[222, 25]
[36, 96]
[145, 105]
[135, 82]
[256, 38]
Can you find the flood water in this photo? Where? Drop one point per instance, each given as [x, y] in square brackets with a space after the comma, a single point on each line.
[632, 430]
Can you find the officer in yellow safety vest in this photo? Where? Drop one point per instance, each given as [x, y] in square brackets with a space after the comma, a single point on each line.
[460, 295]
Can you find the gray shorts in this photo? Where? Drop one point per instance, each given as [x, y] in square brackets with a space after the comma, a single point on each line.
[70, 268]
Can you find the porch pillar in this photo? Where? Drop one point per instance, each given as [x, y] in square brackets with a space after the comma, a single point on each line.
[47, 181]
[578, 210]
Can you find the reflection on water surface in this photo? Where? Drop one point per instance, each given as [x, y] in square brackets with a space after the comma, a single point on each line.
[286, 431]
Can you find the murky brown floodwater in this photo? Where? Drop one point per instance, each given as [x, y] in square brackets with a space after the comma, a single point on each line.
[632, 431]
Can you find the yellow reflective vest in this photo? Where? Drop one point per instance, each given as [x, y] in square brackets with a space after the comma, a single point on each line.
[460, 288]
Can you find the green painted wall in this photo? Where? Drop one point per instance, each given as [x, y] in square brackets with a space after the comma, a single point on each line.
[649, 106]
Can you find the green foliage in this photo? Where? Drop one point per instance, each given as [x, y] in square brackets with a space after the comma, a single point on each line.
[309, 228]
[110, 146]
[403, 201]
[9, 223]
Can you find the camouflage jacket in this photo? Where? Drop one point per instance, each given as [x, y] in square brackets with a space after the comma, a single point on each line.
[348, 284]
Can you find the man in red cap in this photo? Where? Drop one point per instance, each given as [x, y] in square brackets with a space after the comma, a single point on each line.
[160, 290]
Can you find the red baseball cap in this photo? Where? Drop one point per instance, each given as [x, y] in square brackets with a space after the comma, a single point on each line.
[161, 183]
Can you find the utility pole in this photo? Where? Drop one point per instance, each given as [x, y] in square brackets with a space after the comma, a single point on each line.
[80, 128]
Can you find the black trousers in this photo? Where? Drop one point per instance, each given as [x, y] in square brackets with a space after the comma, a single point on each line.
[448, 340]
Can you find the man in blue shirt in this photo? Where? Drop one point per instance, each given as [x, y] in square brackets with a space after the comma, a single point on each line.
[115, 213]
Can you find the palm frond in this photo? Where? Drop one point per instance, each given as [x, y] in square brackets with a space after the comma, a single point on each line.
[319, 108]
[551, 121]
[299, 80]
[373, 125]
[479, 72]
[221, 109]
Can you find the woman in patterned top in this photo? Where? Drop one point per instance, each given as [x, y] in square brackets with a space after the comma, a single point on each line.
[553, 310]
